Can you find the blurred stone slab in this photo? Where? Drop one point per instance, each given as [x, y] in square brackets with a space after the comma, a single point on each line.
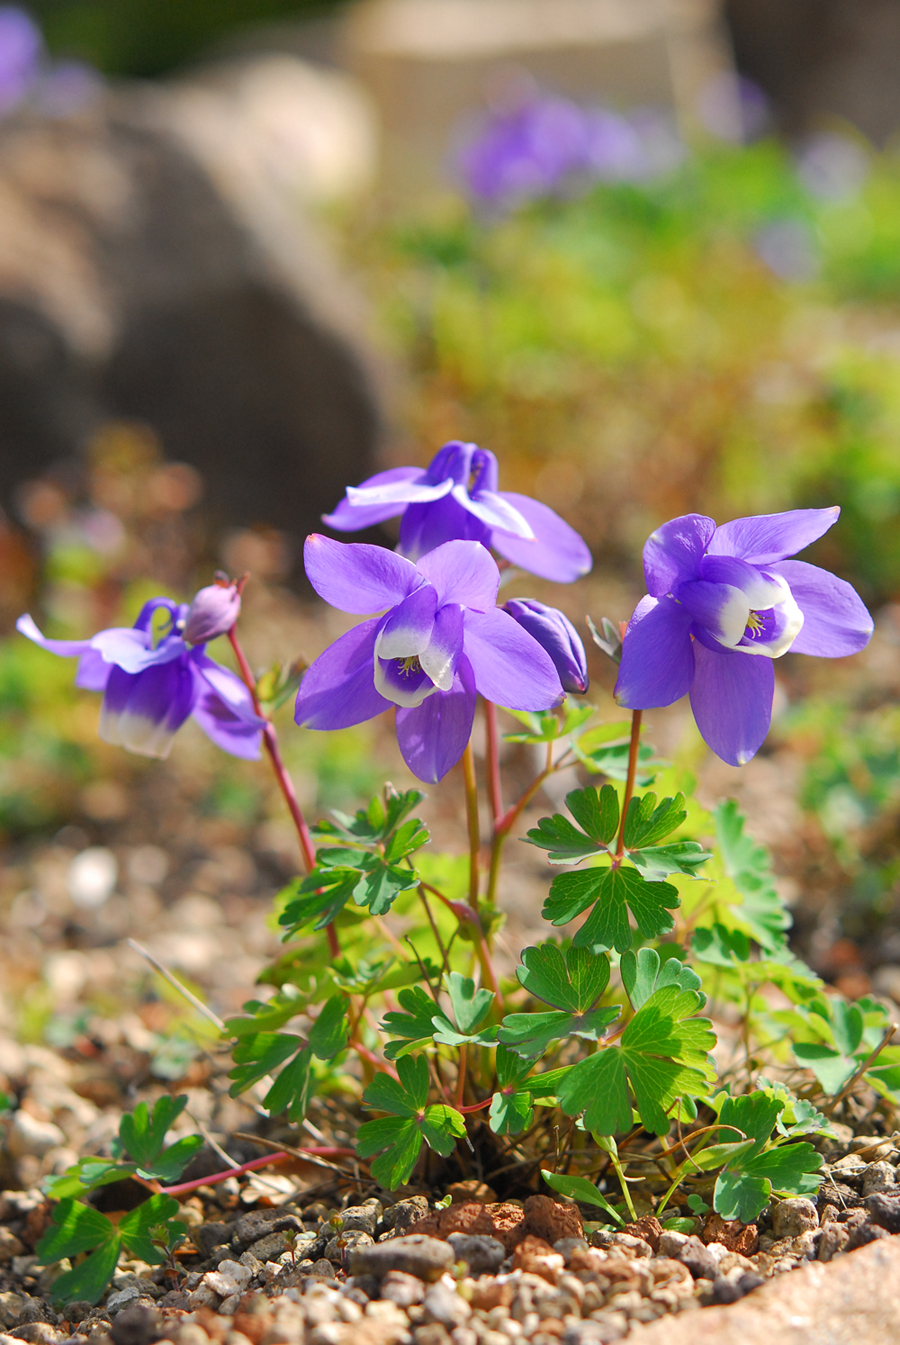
[853, 1300]
[157, 262]
[431, 64]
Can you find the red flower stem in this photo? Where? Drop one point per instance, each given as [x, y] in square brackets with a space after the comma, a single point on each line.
[636, 717]
[285, 783]
[495, 796]
[476, 1106]
[471, 788]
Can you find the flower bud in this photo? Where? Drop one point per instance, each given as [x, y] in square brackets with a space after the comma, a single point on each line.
[213, 612]
[555, 633]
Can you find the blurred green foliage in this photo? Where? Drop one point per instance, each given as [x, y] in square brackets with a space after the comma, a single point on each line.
[630, 356]
[149, 37]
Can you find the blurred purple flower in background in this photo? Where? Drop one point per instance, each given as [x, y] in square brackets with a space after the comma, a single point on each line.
[21, 49]
[547, 145]
[456, 496]
[441, 641]
[149, 691]
[833, 167]
[733, 108]
[717, 598]
[789, 249]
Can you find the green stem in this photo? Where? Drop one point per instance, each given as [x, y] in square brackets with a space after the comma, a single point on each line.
[636, 717]
[504, 826]
[471, 788]
[495, 795]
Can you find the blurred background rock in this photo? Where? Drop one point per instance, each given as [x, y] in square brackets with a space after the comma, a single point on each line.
[647, 251]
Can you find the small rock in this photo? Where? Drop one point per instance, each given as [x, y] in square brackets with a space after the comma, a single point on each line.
[444, 1305]
[323, 1268]
[404, 1213]
[863, 1234]
[29, 1136]
[402, 1289]
[471, 1189]
[136, 1326]
[671, 1242]
[700, 1260]
[361, 1218]
[849, 1169]
[39, 1333]
[729, 1291]
[11, 1306]
[832, 1240]
[339, 1249]
[625, 1244]
[794, 1216]
[877, 1177]
[10, 1245]
[416, 1254]
[228, 1306]
[202, 1297]
[207, 1236]
[117, 1301]
[504, 1221]
[884, 1210]
[535, 1256]
[230, 1278]
[483, 1255]
[432, 1333]
[601, 1329]
[551, 1219]
[648, 1228]
[737, 1237]
[266, 1249]
[258, 1224]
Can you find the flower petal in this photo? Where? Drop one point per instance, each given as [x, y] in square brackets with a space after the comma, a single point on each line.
[348, 517]
[510, 667]
[835, 621]
[433, 736]
[339, 688]
[129, 649]
[403, 491]
[464, 573]
[441, 659]
[657, 655]
[426, 526]
[764, 538]
[760, 590]
[673, 552]
[64, 648]
[237, 731]
[355, 577]
[93, 671]
[722, 610]
[494, 511]
[731, 698]
[407, 628]
[402, 682]
[143, 711]
[557, 552]
[227, 686]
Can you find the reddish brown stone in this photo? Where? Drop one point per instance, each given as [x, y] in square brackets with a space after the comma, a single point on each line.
[461, 1192]
[551, 1220]
[487, 1293]
[537, 1257]
[737, 1237]
[504, 1221]
[647, 1227]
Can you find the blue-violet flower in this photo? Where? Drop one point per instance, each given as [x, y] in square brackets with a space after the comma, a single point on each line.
[456, 498]
[719, 596]
[441, 640]
[150, 690]
[213, 611]
[558, 636]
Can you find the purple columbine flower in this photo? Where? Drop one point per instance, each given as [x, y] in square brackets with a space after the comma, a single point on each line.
[720, 596]
[441, 640]
[149, 691]
[213, 611]
[558, 636]
[456, 497]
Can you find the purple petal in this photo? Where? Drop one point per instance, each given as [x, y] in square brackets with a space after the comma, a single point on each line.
[433, 736]
[130, 649]
[835, 621]
[557, 552]
[495, 512]
[510, 667]
[355, 577]
[464, 573]
[398, 492]
[348, 517]
[407, 629]
[237, 732]
[402, 681]
[760, 591]
[338, 690]
[722, 610]
[143, 711]
[64, 648]
[93, 671]
[657, 655]
[227, 687]
[427, 526]
[732, 701]
[764, 538]
[455, 462]
[672, 553]
[441, 659]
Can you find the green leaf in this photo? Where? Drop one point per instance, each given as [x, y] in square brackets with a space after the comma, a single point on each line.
[646, 823]
[142, 1135]
[377, 822]
[658, 861]
[612, 760]
[749, 868]
[381, 884]
[512, 1106]
[170, 1164]
[529, 1034]
[642, 973]
[328, 1034]
[267, 1016]
[87, 1282]
[754, 1115]
[579, 1188]
[292, 1088]
[405, 1096]
[413, 1028]
[596, 812]
[258, 1055]
[720, 946]
[397, 1141]
[442, 1126]
[134, 1227]
[573, 983]
[789, 1169]
[74, 1228]
[86, 1175]
[322, 897]
[470, 1006]
[564, 841]
[831, 1067]
[405, 840]
[663, 1056]
[621, 890]
[542, 727]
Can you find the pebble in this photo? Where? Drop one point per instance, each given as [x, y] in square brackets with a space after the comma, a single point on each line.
[415, 1254]
[29, 1136]
[230, 1278]
[10, 1245]
[878, 1177]
[884, 1210]
[401, 1289]
[443, 1304]
[483, 1255]
[701, 1261]
[362, 1218]
[794, 1216]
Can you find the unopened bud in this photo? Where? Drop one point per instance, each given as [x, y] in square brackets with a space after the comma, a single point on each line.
[558, 636]
[213, 612]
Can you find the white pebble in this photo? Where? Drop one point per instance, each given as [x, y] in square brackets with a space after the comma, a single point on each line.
[92, 877]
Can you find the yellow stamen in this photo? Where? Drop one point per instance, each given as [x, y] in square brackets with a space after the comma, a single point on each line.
[409, 665]
[754, 623]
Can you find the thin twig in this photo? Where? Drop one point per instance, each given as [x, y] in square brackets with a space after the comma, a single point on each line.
[176, 985]
[857, 1074]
